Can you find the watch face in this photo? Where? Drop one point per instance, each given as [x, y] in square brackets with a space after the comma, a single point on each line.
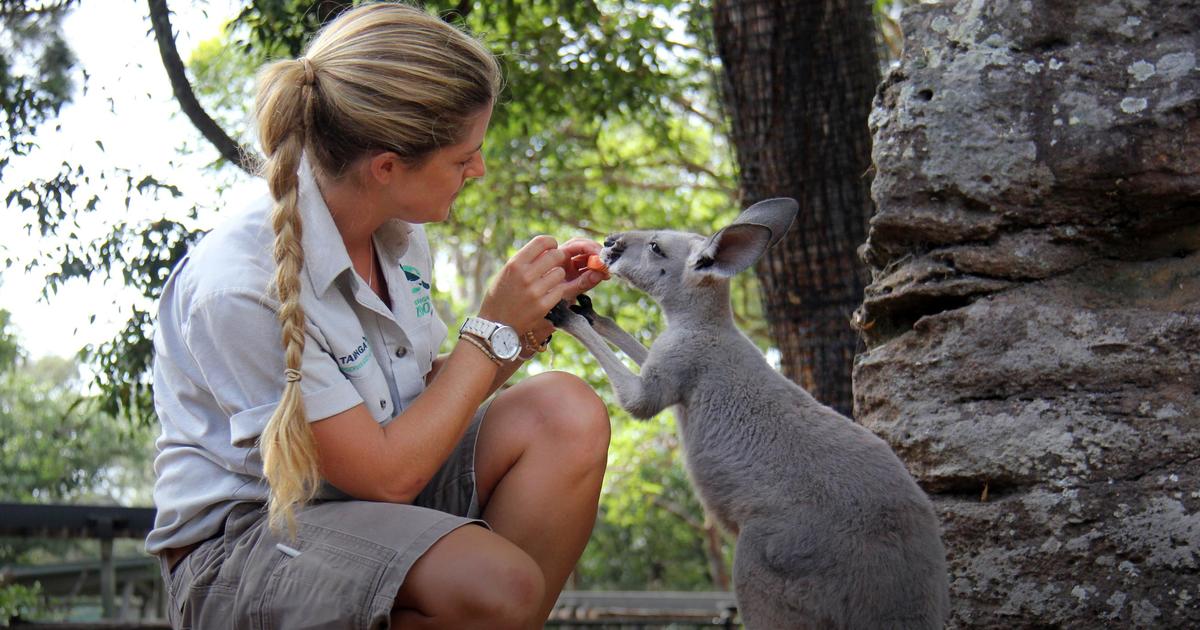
[505, 343]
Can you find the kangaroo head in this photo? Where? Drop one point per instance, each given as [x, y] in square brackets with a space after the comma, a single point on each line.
[678, 267]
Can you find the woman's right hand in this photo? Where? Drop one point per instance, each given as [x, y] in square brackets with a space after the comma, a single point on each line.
[528, 286]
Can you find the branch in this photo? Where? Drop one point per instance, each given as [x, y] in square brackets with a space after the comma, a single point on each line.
[716, 559]
[609, 177]
[679, 100]
[679, 512]
[11, 10]
[244, 157]
[462, 10]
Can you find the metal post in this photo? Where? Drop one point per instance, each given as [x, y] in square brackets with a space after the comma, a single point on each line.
[108, 573]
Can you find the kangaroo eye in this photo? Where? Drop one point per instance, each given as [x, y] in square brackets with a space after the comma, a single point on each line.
[656, 249]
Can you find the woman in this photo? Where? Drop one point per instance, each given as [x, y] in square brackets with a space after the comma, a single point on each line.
[393, 493]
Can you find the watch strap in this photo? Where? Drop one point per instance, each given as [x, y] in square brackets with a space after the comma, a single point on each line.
[479, 327]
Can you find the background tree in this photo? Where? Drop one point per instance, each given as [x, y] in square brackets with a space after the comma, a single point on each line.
[798, 80]
[58, 447]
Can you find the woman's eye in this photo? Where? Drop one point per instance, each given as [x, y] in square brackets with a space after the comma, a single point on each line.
[656, 249]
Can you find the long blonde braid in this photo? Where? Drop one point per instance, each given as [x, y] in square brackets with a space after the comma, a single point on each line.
[381, 77]
[289, 451]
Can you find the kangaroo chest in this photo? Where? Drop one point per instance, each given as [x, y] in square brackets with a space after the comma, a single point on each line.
[718, 464]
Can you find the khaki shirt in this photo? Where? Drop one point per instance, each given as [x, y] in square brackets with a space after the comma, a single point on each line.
[219, 363]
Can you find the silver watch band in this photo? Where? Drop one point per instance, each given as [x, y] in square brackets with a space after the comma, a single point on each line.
[479, 327]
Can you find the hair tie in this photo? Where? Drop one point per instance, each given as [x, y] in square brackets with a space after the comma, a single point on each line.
[310, 75]
[291, 375]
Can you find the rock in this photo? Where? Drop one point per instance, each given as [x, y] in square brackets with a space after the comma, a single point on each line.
[1033, 323]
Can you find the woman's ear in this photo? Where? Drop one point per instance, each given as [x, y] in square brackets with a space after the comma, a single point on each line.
[383, 167]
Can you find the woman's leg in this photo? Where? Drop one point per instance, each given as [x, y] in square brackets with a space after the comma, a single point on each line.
[471, 579]
[539, 463]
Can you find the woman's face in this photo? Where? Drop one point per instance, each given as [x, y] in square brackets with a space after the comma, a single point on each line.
[424, 193]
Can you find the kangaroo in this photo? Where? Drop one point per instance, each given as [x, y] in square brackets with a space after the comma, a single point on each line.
[832, 531]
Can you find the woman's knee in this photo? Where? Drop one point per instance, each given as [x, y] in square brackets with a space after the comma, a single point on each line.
[570, 413]
[473, 578]
[507, 594]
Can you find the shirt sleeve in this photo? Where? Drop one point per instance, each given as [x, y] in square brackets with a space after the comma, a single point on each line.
[234, 338]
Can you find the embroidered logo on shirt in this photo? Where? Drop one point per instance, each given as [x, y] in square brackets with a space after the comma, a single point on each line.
[420, 291]
[356, 360]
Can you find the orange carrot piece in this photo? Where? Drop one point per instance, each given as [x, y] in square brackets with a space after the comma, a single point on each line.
[596, 264]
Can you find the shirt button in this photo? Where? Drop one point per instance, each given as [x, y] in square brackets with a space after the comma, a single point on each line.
[401, 351]
[382, 404]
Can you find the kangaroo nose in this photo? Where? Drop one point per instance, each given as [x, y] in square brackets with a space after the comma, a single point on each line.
[611, 240]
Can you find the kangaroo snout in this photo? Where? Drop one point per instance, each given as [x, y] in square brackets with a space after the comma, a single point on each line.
[614, 247]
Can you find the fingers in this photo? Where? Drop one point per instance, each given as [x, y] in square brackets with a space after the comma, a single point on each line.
[528, 286]
[533, 249]
[537, 277]
[550, 287]
[578, 246]
[585, 282]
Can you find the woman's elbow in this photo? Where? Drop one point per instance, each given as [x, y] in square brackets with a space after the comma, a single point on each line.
[401, 489]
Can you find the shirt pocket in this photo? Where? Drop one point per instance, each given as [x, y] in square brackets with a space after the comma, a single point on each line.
[409, 383]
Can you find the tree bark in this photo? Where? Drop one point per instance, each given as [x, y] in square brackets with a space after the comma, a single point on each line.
[244, 157]
[798, 82]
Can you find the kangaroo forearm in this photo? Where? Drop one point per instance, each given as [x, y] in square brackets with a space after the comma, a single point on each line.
[635, 396]
[624, 341]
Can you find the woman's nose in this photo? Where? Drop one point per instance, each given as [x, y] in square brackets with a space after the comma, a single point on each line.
[477, 168]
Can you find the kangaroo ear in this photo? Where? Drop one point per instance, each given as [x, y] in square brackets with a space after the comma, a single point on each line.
[733, 249]
[776, 215]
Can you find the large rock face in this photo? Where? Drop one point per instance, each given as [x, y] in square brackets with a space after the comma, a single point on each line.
[1033, 323]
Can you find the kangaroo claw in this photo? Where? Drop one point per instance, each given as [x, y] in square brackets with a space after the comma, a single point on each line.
[584, 308]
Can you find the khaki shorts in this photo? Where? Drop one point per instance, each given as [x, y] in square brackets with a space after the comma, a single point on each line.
[342, 570]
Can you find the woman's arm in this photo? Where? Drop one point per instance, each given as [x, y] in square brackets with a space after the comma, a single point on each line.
[504, 372]
[393, 463]
[578, 280]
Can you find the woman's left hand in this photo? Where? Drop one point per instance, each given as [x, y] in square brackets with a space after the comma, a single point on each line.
[579, 279]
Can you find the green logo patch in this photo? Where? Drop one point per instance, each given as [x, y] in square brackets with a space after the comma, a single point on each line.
[419, 290]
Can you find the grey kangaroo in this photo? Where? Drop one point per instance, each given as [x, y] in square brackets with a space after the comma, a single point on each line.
[832, 531]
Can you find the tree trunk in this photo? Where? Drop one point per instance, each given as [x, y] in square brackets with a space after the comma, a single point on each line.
[798, 81]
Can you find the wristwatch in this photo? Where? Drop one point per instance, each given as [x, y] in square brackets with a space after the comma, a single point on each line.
[502, 341]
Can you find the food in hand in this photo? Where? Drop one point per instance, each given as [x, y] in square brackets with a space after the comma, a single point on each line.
[596, 264]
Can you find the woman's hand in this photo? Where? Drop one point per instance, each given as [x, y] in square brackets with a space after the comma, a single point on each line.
[579, 279]
[528, 286]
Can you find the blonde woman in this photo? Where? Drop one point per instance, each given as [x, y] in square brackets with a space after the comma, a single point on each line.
[319, 465]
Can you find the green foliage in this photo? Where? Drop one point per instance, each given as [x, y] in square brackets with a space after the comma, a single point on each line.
[57, 446]
[650, 530]
[10, 350]
[35, 71]
[17, 600]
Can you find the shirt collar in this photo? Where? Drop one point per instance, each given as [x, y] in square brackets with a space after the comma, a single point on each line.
[325, 254]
